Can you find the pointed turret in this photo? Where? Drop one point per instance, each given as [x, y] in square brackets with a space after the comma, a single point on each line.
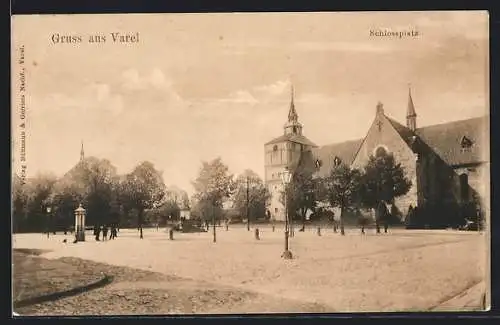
[411, 115]
[293, 126]
[82, 153]
[292, 113]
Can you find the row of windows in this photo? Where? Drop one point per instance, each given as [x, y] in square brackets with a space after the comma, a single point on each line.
[291, 146]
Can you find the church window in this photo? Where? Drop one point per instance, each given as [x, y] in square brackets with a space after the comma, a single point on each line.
[318, 163]
[337, 161]
[380, 152]
[294, 130]
[464, 186]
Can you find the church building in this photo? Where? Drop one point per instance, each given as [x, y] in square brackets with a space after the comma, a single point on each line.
[448, 164]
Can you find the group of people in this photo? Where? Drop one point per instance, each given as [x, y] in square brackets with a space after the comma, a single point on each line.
[112, 229]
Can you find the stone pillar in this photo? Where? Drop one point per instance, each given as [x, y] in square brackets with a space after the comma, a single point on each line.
[80, 223]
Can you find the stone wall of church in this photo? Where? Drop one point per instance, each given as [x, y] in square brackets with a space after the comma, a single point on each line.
[277, 157]
[479, 181]
[382, 134]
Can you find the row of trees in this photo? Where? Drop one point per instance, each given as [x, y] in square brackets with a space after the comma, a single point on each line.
[107, 197]
[141, 196]
[349, 189]
[216, 188]
[134, 199]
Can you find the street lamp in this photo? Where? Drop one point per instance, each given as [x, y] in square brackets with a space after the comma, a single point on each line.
[49, 209]
[286, 177]
[248, 204]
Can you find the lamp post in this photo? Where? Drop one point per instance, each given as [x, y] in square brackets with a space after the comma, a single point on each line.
[213, 221]
[248, 204]
[286, 176]
[49, 209]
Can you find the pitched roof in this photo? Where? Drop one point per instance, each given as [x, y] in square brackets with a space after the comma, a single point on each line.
[445, 139]
[293, 138]
[345, 151]
[306, 162]
[405, 133]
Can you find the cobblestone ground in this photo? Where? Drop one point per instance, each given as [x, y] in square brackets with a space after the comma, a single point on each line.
[132, 292]
[400, 271]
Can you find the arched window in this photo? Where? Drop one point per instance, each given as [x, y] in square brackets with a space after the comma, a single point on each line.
[464, 187]
[380, 152]
[275, 148]
[294, 130]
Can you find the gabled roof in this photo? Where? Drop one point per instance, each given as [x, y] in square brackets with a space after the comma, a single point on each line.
[445, 139]
[405, 133]
[345, 151]
[293, 138]
[306, 162]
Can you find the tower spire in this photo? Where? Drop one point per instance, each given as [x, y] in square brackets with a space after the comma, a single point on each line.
[82, 153]
[411, 115]
[293, 126]
[292, 114]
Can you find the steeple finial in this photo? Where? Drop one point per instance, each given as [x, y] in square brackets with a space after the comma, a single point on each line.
[411, 115]
[380, 108]
[82, 153]
[292, 114]
[411, 108]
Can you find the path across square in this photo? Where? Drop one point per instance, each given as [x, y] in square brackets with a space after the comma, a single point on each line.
[400, 271]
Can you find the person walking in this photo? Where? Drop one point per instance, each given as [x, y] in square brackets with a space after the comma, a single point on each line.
[104, 232]
[97, 232]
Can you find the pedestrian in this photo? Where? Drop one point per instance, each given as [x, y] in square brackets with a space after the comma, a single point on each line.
[113, 231]
[104, 232]
[97, 232]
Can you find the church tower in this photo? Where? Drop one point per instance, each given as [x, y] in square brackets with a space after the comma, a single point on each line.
[283, 152]
[411, 115]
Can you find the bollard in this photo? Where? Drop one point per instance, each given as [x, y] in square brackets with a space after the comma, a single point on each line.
[257, 234]
[227, 227]
[319, 231]
[171, 234]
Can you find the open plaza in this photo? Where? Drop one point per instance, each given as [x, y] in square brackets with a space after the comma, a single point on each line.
[404, 270]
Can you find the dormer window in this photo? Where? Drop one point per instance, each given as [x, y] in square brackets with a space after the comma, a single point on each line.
[466, 144]
[336, 161]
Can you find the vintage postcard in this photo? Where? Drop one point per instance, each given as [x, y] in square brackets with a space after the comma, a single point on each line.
[235, 163]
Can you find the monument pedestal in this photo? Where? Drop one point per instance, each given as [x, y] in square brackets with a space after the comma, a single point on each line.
[80, 223]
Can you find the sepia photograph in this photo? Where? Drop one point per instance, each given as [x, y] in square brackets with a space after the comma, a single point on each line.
[250, 163]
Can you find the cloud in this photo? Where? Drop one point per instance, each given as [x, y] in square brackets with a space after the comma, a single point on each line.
[240, 97]
[274, 89]
[154, 85]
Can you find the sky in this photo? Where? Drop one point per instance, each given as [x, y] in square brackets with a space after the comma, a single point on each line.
[199, 86]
